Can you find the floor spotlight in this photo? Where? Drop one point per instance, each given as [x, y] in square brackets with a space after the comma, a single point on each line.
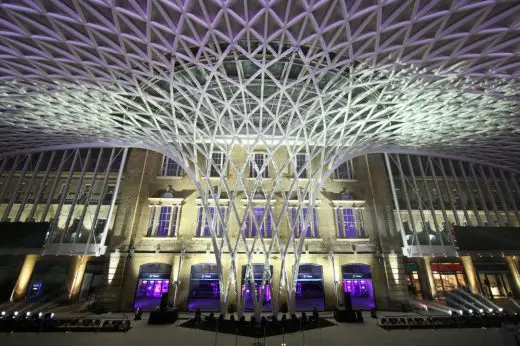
[500, 309]
[490, 310]
[481, 310]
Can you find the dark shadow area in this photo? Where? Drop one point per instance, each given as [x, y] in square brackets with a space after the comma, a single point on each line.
[252, 328]
[491, 320]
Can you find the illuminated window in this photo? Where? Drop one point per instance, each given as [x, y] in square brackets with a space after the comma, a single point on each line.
[170, 168]
[258, 221]
[301, 220]
[163, 221]
[203, 221]
[256, 166]
[350, 223]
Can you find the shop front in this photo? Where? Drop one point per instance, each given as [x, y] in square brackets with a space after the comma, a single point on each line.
[204, 288]
[48, 280]
[495, 280]
[357, 283]
[152, 283]
[262, 291]
[310, 292]
[413, 281]
[448, 277]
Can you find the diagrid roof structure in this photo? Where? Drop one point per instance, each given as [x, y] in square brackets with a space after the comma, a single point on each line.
[440, 77]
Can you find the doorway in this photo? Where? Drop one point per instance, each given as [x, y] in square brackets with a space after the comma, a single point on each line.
[310, 292]
[247, 289]
[204, 288]
[152, 283]
[495, 280]
[357, 281]
[447, 277]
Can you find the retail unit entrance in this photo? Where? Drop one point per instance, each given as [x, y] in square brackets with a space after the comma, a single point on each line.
[448, 277]
[263, 291]
[310, 293]
[153, 281]
[357, 281]
[204, 288]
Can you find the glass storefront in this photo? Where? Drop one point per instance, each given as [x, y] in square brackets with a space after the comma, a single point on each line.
[150, 288]
[357, 281]
[247, 290]
[448, 277]
[494, 280]
[48, 281]
[152, 283]
[309, 288]
[413, 282]
[204, 288]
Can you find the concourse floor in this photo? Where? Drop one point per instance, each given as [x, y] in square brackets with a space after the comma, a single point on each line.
[367, 333]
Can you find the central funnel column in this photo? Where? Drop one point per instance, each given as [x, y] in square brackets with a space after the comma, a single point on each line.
[258, 199]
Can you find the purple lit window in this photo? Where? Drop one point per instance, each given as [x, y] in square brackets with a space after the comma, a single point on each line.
[259, 220]
[163, 221]
[312, 224]
[205, 231]
[348, 226]
[163, 226]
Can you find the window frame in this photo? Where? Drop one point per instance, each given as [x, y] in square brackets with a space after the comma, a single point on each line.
[350, 171]
[166, 165]
[253, 173]
[154, 221]
[304, 174]
[202, 222]
[213, 173]
[250, 224]
[312, 228]
[357, 221]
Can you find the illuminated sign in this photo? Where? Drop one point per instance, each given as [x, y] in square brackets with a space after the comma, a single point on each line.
[152, 276]
[354, 276]
[204, 276]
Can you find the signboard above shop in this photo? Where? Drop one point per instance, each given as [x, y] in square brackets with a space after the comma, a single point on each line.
[355, 276]
[154, 276]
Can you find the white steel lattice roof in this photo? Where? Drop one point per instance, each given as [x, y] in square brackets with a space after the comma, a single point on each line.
[436, 77]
